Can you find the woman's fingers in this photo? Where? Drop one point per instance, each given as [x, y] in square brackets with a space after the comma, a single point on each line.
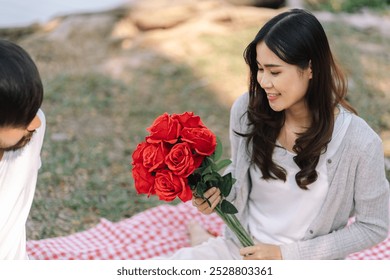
[206, 206]
[214, 191]
[215, 198]
[196, 201]
[261, 251]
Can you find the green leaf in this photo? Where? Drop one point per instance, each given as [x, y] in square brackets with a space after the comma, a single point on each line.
[213, 176]
[207, 170]
[218, 150]
[213, 180]
[201, 188]
[226, 184]
[228, 208]
[193, 180]
[222, 164]
[207, 161]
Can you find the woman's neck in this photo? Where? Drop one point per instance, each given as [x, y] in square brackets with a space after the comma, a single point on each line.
[296, 122]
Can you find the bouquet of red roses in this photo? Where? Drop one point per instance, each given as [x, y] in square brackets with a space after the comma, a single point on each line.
[181, 157]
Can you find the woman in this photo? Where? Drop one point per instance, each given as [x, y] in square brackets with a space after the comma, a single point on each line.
[305, 163]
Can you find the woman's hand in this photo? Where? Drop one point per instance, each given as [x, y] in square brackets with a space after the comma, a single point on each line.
[214, 197]
[261, 251]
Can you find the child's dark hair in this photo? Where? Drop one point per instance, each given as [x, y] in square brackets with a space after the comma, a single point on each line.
[21, 90]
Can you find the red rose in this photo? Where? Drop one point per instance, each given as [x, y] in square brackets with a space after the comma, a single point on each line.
[168, 186]
[180, 160]
[202, 140]
[143, 180]
[198, 159]
[164, 128]
[188, 119]
[153, 156]
[137, 154]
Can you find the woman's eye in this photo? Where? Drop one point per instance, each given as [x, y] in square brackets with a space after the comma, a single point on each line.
[275, 73]
[260, 69]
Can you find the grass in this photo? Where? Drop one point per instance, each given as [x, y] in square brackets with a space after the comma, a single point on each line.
[365, 59]
[93, 125]
[94, 122]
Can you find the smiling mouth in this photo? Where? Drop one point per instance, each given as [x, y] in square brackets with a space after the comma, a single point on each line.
[273, 96]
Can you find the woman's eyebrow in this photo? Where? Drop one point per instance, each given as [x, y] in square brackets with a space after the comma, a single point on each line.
[269, 65]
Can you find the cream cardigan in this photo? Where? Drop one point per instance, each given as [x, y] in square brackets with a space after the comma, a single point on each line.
[357, 187]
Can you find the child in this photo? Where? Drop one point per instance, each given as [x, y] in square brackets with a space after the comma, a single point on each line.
[22, 128]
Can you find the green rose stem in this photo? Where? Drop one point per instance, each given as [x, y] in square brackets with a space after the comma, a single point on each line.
[234, 224]
[207, 176]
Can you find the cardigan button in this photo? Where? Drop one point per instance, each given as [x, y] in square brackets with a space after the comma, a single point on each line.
[311, 232]
[329, 161]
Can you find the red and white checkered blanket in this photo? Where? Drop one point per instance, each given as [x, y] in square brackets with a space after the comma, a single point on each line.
[154, 232]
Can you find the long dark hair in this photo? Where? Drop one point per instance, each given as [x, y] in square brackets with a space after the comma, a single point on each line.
[297, 38]
[21, 90]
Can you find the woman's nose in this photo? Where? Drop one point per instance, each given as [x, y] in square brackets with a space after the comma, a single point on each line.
[265, 82]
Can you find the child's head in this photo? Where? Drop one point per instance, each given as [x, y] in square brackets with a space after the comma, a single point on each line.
[21, 94]
[21, 90]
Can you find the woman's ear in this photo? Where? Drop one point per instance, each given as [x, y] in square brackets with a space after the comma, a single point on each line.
[34, 124]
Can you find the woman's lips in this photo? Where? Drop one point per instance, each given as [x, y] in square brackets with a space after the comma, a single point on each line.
[272, 96]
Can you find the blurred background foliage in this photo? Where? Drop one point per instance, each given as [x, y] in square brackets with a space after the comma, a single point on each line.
[349, 6]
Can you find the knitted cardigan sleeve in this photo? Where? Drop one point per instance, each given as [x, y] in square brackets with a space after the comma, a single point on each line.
[358, 188]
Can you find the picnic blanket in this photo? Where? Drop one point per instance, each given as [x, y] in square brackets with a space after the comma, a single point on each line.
[159, 231]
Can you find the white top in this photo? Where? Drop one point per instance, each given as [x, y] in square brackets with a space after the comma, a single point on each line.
[18, 177]
[281, 212]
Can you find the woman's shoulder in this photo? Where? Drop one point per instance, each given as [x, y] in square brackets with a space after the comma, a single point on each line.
[240, 105]
[238, 113]
[360, 131]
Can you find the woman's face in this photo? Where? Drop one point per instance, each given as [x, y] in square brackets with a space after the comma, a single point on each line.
[285, 84]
